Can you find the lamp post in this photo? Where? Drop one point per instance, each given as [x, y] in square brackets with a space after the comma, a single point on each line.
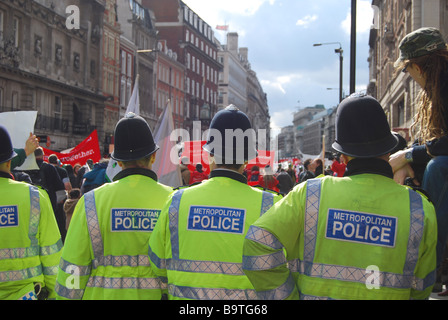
[341, 59]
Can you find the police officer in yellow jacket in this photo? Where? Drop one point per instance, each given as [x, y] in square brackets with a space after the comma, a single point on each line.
[30, 243]
[105, 253]
[362, 236]
[196, 246]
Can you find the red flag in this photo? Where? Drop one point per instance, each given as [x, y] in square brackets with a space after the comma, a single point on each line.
[224, 28]
[88, 149]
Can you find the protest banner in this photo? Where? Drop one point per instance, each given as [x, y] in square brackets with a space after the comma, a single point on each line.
[87, 149]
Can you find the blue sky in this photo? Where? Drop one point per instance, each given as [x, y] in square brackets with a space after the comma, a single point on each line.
[280, 35]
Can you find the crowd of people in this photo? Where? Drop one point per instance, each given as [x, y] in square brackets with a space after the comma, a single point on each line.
[373, 225]
[64, 183]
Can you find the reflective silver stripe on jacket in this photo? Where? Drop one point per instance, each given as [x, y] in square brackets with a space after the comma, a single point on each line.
[211, 293]
[114, 261]
[353, 274]
[33, 250]
[214, 267]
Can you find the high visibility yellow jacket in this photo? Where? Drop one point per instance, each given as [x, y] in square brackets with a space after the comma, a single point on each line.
[357, 237]
[196, 246]
[105, 256]
[30, 242]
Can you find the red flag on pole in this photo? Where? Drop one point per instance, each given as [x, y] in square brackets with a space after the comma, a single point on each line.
[224, 28]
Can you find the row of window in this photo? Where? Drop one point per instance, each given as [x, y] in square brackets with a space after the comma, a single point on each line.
[200, 25]
[199, 43]
[199, 90]
[194, 64]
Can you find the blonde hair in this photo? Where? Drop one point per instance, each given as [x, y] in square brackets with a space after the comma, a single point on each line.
[429, 122]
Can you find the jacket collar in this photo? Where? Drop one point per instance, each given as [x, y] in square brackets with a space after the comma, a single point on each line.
[370, 165]
[228, 174]
[132, 171]
[5, 175]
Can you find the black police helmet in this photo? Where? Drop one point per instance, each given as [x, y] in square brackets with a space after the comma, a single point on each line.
[133, 139]
[362, 130]
[6, 149]
[235, 143]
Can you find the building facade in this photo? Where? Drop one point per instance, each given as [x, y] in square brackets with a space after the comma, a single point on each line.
[301, 120]
[233, 76]
[111, 70]
[50, 62]
[138, 26]
[397, 93]
[170, 83]
[192, 39]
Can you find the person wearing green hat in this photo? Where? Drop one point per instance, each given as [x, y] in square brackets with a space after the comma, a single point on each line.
[105, 252]
[424, 56]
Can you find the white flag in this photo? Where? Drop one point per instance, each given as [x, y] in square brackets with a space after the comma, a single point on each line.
[134, 102]
[133, 106]
[167, 169]
[19, 125]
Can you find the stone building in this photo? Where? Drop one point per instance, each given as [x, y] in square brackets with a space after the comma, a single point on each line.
[138, 26]
[50, 62]
[110, 72]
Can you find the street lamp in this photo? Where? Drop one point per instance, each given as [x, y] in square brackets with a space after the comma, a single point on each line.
[341, 58]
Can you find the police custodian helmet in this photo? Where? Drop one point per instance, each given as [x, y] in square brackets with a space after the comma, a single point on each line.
[235, 144]
[6, 149]
[133, 139]
[362, 130]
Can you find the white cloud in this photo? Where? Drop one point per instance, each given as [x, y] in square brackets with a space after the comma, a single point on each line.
[280, 82]
[364, 18]
[208, 9]
[281, 119]
[305, 21]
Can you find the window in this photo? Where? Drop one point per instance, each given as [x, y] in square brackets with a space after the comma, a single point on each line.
[1, 98]
[123, 91]
[16, 26]
[129, 65]
[2, 17]
[57, 113]
[15, 101]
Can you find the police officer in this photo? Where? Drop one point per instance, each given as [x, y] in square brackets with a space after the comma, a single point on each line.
[362, 236]
[30, 243]
[197, 244]
[105, 253]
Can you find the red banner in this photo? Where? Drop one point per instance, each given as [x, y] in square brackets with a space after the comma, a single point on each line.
[88, 149]
[194, 152]
[264, 158]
